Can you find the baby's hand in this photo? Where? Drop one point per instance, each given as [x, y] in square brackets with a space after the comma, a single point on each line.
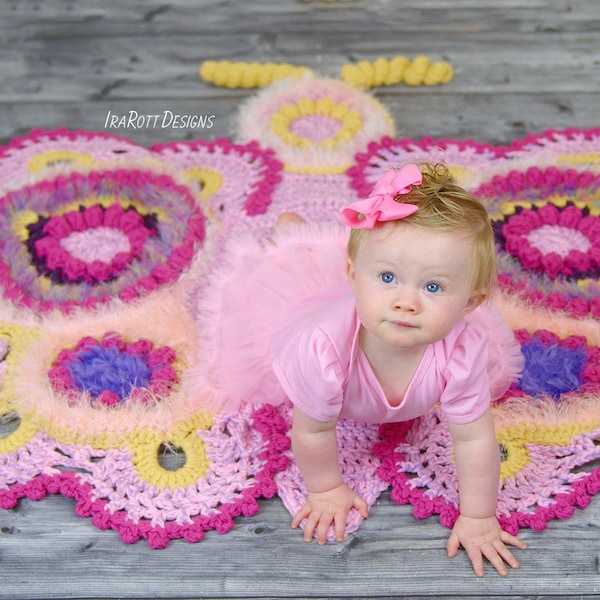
[484, 537]
[325, 508]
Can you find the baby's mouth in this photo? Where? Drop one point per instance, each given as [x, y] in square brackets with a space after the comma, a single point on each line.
[404, 324]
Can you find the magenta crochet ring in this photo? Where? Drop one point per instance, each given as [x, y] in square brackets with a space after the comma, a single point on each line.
[93, 237]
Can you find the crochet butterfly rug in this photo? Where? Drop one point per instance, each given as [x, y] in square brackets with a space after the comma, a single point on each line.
[102, 241]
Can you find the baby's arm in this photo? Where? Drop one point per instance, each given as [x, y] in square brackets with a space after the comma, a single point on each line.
[314, 444]
[477, 459]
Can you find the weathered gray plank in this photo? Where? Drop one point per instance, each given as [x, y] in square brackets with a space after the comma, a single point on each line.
[75, 18]
[80, 69]
[392, 555]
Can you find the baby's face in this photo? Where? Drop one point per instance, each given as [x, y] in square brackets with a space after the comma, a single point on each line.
[411, 285]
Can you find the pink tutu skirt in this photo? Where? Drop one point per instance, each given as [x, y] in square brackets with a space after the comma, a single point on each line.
[240, 302]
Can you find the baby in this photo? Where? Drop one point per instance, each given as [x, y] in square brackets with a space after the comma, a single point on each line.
[405, 324]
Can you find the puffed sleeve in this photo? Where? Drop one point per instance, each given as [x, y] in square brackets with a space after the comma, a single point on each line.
[466, 394]
[309, 369]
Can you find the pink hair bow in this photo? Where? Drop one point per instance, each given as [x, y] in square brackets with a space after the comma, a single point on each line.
[380, 205]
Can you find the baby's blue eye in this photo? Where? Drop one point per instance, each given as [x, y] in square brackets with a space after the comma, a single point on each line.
[387, 278]
[433, 288]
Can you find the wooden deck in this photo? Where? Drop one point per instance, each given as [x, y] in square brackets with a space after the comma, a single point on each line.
[521, 66]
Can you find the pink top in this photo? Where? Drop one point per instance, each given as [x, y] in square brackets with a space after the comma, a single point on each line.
[324, 372]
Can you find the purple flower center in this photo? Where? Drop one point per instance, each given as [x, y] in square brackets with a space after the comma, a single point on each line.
[114, 372]
[552, 370]
[99, 369]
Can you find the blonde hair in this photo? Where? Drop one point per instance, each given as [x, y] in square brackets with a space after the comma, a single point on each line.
[445, 206]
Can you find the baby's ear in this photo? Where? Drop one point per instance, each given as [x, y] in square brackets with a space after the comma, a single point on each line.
[476, 299]
[350, 271]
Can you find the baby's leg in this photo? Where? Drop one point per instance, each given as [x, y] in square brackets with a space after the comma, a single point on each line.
[285, 218]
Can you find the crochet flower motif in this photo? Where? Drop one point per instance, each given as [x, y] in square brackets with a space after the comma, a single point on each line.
[314, 125]
[98, 424]
[230, 463]
[548, 235]
[309, 123]
[229, 177]
[556, 241]
[468, 160]
[461, 157]
[540, 476]
[95, 377]
[112, 371]
[82, 240]
[44, 154]
[542, 472]
[89, 245]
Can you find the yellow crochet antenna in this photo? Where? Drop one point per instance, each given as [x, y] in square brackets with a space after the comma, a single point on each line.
[247, 74]
[420, 71]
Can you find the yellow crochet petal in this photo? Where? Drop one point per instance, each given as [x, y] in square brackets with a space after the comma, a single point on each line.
[54, 157]
[209, 180]
[415, 74]
[358, 75]
[147, 444]
[516, 439]
[326, 106]
[350, 122]
[21, 221]
[247, 74]
[382, 71]
[439, 72]
[19, 339]
[25, 430]
[306, 106]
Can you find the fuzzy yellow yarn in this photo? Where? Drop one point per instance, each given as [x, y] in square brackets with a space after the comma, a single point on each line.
[53, 157]
[350, 121]
[364, 74]
[19, 339]
[517, 438]
[247, 75]
[400, 69]
[147, 444]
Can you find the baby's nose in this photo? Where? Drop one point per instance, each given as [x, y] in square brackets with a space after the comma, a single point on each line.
[407, 300]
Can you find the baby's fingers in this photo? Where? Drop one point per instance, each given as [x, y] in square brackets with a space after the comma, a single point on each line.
[325, 521]
[452, 545]
[300, 515]
[314, 524]
[476, 557]
[360, 504]
[507, 555]
[499, 555]
[507, 538]
[340, 527]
